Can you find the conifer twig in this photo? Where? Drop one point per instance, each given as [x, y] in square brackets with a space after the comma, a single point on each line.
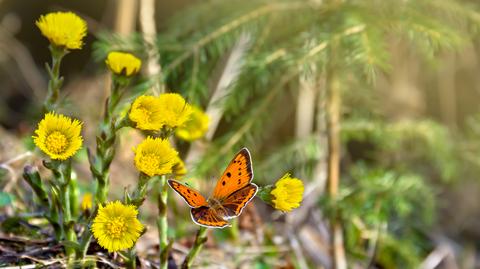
[215, 107]
[285, 79]
[254, 14]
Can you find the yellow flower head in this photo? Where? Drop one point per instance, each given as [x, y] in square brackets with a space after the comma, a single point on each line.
[58, 136]
[146, 113]
[179, 169]
[194, 128]
[116, 226]
[63, 29]
[155, 156]
[175, 111]
[86, 201]
[121, 63]
[288, 193]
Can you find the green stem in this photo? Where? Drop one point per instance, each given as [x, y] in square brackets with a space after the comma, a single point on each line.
[162, 222]
[54, 216]
[234, 230]
[138, 196]
[105, 151]
[68, 223]
[61, 198]
[86, 237]
[200, 240]
[73, 191]
[55, 83]
[131, 259]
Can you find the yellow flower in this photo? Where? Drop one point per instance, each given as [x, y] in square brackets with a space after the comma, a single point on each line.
[63, 29]
[86, 201]
[146, 113]
[155, 156]
[116, 226]
[194, 128]
[287, 193]
[122, 63]
[58, 136]
[179, 169]
[175, 111]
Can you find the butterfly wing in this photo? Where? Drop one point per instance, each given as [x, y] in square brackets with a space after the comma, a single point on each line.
[235, 202]
[206, 216]
[192, 197]
[237, 175]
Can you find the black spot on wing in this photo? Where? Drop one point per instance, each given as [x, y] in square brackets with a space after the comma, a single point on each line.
[229, 174]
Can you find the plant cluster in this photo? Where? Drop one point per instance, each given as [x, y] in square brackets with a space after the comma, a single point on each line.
[115, 225]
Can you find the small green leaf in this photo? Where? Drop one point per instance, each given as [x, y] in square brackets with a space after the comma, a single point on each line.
[72, 244]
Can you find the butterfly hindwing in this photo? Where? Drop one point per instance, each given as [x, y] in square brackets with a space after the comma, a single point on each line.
[237, 175]
[236, 201]
[191, 196]
[206, 216]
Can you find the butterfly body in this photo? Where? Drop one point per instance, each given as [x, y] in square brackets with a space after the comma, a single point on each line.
[215, 204]
[232, 193]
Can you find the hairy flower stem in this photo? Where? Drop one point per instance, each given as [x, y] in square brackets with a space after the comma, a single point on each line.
[86, 238]
[85, 243]
[200, 240]
[73, 192]
[138, 196]
[55, 83]
[65, 199]
[162, 222]
[105, 151]
[130, 259]
[55, 210]
[62, 171]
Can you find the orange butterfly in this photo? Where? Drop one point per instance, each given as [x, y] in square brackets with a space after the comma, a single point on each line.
[231, 194]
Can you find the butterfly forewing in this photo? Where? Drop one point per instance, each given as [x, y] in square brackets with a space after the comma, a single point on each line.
[236, 201]
[206, 216]
[237, 175]
[191, 196]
